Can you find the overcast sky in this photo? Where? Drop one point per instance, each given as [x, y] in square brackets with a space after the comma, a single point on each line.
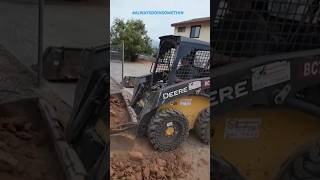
[159, 25]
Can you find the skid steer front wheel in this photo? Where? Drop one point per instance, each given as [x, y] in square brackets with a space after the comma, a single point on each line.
[202, 126]
[303, 166]
[167, 130]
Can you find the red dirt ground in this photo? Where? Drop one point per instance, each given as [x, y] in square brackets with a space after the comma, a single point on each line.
[25, 152]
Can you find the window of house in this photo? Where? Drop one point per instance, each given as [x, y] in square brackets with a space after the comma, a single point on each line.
[181, 29]
[195, 31]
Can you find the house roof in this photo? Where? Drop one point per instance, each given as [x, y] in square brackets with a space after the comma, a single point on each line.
[192, 21]
[182, 39]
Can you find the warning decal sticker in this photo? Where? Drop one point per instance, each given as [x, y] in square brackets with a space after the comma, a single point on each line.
[270, 74]
[194, 85]
[236, 128]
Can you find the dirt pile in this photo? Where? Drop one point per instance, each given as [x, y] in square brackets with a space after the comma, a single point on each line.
[25, 153]
[135, 159]
[159, 166]
[118, 112]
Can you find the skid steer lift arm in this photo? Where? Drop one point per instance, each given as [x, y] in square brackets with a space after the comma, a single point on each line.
[265, 80]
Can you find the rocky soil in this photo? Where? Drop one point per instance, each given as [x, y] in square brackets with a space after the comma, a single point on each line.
[142, 163]
[159, 166]
[25, 152]
[118, 113]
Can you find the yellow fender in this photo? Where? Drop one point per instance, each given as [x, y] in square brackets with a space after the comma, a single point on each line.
[189, 106]
[261, 152]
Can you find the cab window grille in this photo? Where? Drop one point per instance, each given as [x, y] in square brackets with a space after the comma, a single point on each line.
[195, 65]
[249, 28]
[165, 60]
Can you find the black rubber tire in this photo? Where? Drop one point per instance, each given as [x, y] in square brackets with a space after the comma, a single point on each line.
[202, 126]
[303, 166]
[158, 124]
[223, 170]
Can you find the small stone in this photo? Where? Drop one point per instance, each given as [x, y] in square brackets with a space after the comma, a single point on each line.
[161, 162]
[120, 174]
[111, 172]
[132, 177]
[154, 168]
[146, 172]
[161, 174]
[121, 165]
[178, 172]
[137, 156]
[138, 176]
[112, 112]
[170, 174]
[130, 170]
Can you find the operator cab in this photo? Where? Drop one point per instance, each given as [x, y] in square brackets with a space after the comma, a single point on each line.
[181, 59]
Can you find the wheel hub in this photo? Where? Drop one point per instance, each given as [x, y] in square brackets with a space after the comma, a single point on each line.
[170, 131]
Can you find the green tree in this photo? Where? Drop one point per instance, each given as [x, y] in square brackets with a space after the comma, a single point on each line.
[134, 35]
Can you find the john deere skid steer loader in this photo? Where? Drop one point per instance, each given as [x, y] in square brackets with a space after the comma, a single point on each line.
[174, 97]
[265, 100]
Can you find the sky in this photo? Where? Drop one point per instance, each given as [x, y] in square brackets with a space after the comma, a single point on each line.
[159, 25]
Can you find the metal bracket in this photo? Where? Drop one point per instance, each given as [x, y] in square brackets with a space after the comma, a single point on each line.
[282, 95]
